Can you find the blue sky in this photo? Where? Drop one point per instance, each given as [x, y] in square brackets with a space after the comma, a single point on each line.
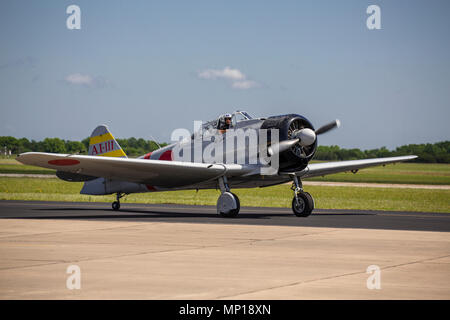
[137, 66]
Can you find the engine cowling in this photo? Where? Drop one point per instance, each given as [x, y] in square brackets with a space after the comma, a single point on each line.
[290, 127]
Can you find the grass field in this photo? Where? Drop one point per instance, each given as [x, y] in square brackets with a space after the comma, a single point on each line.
[276, 196]
[406, 173]
[13, 166]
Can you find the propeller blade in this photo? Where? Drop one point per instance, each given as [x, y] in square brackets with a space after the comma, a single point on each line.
[281, 146]
[329, 126]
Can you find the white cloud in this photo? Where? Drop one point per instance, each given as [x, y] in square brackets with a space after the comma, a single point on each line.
[237, 78]
[85, 80]
[246, 84]
[226, 73]
[79, 79]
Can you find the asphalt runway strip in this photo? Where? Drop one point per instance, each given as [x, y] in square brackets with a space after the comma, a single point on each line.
[207, 214]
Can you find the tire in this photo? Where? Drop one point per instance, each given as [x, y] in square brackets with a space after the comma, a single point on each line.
[233, 213]
[305, 205]
[311, 199]
[116, 205]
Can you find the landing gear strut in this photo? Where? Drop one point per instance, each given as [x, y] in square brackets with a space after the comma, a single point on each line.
[303, 202]
[228, 204]
[116, 204]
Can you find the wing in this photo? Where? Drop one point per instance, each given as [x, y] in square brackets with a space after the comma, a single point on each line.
[321, 169]
[153, 172]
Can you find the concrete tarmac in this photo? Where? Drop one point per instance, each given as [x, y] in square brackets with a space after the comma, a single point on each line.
[188, 252]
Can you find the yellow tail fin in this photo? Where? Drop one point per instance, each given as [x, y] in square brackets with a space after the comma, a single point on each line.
[102, 143]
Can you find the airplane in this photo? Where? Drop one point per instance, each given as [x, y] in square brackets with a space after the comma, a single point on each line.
[107, 170]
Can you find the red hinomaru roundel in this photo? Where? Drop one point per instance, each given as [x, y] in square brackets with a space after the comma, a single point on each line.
[64, 162]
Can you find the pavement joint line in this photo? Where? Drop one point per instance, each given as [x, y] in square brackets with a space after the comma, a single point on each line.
[120, 256]
[238, 243]
[296, 235]
[251, 241]
[103, 258]
[414, 262]
[326, 278]
[68, 231]
[161, 251]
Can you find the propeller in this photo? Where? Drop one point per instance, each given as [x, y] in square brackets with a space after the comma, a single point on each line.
[305, 137]
[281, 146]
[325, 128]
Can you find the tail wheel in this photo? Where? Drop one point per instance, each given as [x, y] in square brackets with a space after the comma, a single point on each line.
[303, 204]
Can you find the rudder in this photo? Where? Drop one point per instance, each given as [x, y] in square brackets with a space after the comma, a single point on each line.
[103, 143]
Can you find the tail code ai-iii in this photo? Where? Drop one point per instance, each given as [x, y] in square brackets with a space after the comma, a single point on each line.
[102, 143]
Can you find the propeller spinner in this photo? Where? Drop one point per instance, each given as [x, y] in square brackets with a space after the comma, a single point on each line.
[307, 136]
[303, 136]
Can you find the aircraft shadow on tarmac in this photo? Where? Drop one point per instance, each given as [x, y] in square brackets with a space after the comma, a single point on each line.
[155, 214]
[330, 218]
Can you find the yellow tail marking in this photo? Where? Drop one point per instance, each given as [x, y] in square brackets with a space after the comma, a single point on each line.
[115, 153]
[101, 138]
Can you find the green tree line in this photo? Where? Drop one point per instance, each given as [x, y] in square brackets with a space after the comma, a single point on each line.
[431, 153]
[132, 147]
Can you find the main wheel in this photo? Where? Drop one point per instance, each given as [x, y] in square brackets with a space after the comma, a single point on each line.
[303, 204]
[311, 200]
[116, 205]
[225, 201]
